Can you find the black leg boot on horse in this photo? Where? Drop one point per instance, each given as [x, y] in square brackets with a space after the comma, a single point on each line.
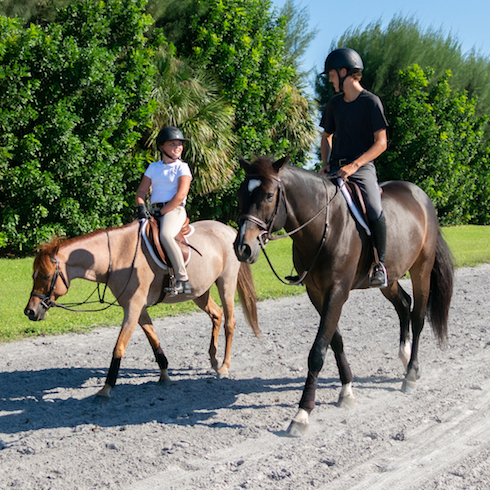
[379, 277]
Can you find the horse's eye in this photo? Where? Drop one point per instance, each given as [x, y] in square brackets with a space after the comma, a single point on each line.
[269, 196]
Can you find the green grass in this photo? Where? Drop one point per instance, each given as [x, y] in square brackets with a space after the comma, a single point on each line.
[470, 246]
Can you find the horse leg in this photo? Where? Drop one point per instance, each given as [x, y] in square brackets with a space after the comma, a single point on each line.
[149, 329]
[346, 397]
[421, 289]
[127, 330]
[208, 305]
[331, 310]
[401, 300]
[227, 295]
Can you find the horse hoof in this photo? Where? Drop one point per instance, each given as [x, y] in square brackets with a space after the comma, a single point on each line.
[164, 378]
[222, 375]
[346, 401]
[101, 398]
[297, 429]
[409, 386]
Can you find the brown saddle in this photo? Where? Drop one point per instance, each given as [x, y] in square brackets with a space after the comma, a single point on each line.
[153, 234]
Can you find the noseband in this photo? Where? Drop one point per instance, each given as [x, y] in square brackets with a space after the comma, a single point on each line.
[46, 301]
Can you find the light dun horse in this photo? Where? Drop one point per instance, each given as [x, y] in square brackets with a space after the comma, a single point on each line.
[336, 254]
[117, 258]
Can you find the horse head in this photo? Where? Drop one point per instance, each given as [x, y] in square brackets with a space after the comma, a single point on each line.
[49, 281]
[261, 201]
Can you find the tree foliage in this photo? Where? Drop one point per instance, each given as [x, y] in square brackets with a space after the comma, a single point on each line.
[436, 100]
[403, 43]
[87, 84]
[251, 54]
[436, 142]
[74, 102]
[32, 11]
[190, 99]
[243, 44]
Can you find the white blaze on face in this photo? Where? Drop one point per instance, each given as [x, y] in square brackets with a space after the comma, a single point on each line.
[253, 184]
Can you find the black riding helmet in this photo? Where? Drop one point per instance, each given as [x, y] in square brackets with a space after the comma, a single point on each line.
[169, 133]
[343, 58]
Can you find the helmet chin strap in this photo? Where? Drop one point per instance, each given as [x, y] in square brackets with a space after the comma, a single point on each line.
[341, 80]
[172, 159]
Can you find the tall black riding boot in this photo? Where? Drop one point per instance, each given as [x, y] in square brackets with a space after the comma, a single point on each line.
[379, 277]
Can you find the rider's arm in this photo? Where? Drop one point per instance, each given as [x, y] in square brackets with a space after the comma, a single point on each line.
[379, 146]
[326, 151]
[143, 190]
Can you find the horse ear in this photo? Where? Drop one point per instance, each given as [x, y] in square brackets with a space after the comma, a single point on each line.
[280, 163]
[244, 164]
[56, 247]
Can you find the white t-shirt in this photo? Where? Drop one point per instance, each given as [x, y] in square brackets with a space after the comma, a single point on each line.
[164, 179]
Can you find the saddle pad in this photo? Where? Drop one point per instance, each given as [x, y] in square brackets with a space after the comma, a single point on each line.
[347, 193]
[181, 240]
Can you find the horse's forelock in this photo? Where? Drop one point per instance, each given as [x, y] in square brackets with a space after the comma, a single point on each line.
[262, 167]
[43, 262]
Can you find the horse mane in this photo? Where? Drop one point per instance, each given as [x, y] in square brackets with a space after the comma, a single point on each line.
[43, 262]
[263, 166]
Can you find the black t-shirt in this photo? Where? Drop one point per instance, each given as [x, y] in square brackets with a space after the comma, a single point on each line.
[353, 124]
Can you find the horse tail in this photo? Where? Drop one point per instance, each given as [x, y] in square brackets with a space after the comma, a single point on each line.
[441, 289]
[247, 296]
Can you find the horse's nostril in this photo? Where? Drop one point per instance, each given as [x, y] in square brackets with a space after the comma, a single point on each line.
[29, 312]
[243, 252]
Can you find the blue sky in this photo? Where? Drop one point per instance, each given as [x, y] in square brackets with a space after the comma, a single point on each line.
[468, 22]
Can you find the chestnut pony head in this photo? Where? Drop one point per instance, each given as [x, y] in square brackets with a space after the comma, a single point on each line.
[48, 280]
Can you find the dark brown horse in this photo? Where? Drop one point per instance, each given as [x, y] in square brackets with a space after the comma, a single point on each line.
[117, 258]
[333, 255]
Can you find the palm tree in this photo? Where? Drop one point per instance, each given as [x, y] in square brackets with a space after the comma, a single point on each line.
[294, 129]
[189, 100]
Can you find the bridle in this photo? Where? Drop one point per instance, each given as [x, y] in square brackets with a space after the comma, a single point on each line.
[46, 301]
[267, 228]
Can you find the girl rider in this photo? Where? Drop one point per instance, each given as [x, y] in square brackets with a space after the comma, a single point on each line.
[169, 180]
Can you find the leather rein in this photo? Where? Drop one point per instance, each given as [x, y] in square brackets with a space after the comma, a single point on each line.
[267, 229]
[47, 302]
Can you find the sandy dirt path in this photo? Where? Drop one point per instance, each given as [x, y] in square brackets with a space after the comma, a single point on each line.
[205, 433]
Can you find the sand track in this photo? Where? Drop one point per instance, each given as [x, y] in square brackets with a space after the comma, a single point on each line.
[205, 433]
